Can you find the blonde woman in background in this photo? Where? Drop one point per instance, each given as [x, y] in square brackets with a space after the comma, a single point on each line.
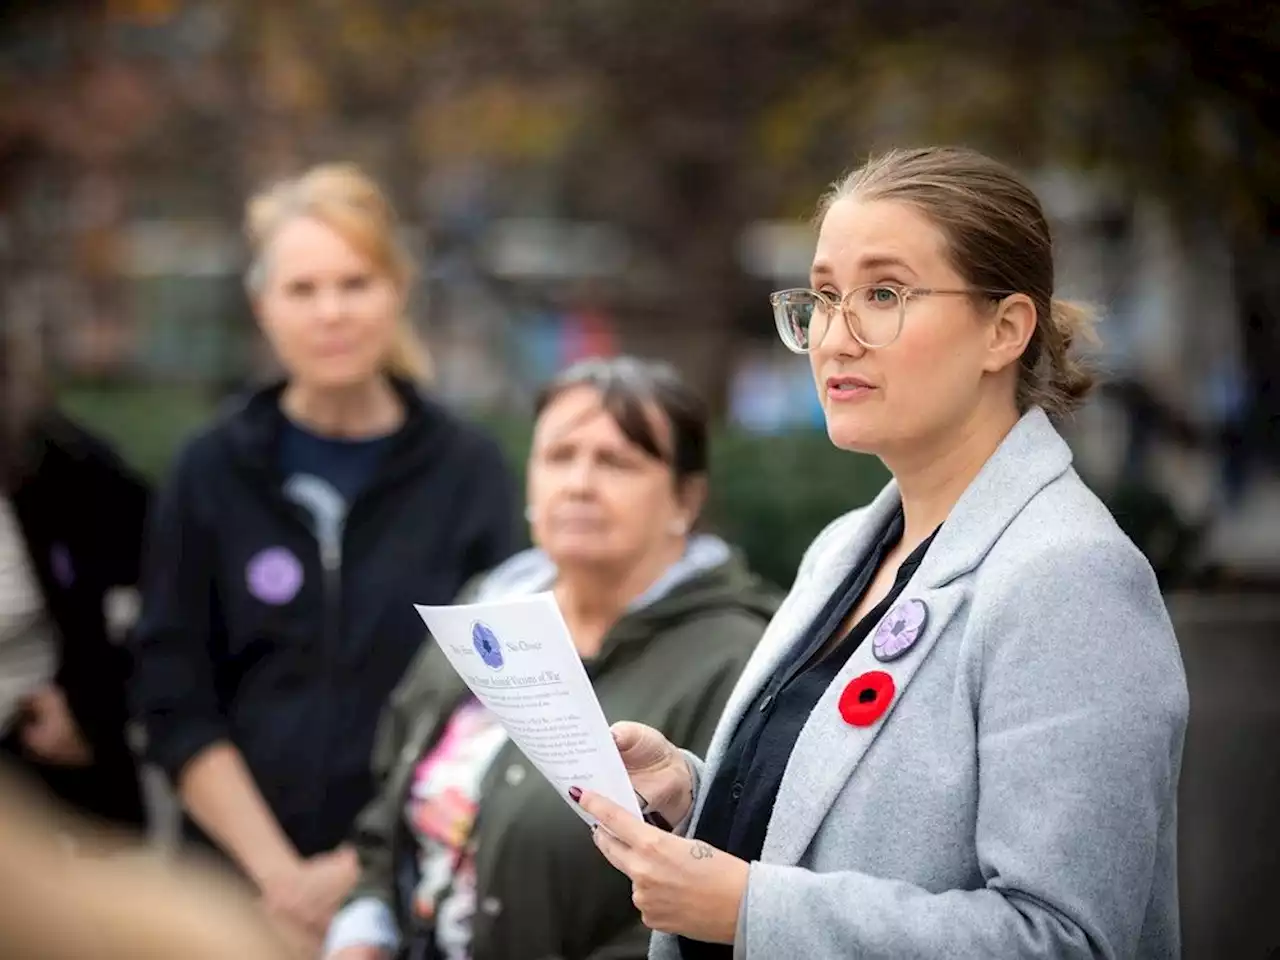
[293, 538]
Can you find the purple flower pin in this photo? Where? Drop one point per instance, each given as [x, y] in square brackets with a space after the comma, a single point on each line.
[64, 571]
[274, 575]
[899, 630]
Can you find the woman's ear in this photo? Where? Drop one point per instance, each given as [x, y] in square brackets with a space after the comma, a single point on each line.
[1009, 332]
[692, 497]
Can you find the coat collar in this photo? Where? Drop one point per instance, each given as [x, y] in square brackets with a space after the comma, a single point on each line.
[253, 422]
[1032, 456]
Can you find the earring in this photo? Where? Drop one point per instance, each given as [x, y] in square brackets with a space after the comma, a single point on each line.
[530, 514]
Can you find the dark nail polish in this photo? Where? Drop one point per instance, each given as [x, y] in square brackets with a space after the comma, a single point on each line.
[575, 794]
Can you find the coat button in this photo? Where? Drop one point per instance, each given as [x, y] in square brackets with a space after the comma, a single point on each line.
[736, 791]
[491, 906]
[515, 775]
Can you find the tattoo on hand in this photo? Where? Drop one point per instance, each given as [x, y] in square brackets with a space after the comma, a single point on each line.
[700, 851]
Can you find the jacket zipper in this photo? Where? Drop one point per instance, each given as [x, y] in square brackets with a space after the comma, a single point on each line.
[331, 560]
[331, 634]
[331, 545]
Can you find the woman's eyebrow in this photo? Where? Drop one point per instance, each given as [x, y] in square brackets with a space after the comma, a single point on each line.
[882, 260]
[871, 261]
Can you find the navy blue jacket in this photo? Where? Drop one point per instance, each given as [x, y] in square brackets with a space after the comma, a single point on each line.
[259, 629]
[82, 512]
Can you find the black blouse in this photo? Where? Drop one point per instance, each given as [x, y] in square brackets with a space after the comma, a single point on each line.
[741, 796]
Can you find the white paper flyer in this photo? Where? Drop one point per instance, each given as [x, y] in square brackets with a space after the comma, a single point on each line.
[520, 662]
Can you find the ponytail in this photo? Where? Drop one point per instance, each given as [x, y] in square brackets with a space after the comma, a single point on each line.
[1054, 377]
[409, 358]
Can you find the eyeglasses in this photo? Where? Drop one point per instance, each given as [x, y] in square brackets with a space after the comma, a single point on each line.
[873, 313]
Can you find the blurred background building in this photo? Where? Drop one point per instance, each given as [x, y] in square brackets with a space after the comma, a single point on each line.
[584, 178]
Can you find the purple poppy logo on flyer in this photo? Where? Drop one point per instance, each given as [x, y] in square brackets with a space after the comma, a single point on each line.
[486, 643]
[274, 576]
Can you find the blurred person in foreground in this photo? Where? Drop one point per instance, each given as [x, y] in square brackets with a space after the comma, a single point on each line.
[291, 542]
[71, 531]
[467, 852]
[963, 735]
[58, 906]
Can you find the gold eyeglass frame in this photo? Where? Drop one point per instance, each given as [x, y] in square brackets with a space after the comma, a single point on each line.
[903, 293]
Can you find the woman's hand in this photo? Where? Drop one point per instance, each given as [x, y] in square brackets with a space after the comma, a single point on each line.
[680, 886]
[307, 896]
[49, 732]
[658, 771]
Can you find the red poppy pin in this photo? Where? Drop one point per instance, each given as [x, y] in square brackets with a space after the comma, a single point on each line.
[866, 698]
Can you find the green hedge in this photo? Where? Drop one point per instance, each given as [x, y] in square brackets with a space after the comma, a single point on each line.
[146, 423]
[769, 495]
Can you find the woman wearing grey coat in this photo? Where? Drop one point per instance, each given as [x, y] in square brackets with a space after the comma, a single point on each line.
[961, 734]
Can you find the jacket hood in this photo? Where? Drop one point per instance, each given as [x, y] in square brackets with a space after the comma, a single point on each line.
[711, 577]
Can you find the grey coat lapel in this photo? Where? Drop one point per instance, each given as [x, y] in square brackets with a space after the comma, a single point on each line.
[810, 593]
[828, 750]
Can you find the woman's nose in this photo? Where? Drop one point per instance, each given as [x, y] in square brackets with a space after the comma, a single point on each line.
[838, 339]
[581, 475]
[329, 306]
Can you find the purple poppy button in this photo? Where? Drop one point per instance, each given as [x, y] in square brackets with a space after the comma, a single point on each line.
[899, 630]
[64, 571]
[274, 576]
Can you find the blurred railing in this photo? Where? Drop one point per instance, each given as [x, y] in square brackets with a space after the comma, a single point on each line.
[1229, 816]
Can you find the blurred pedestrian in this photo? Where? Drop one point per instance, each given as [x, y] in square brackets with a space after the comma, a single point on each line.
[71, 531]
[293, 538]
[467, 852]
[964, 733]
[60, 906]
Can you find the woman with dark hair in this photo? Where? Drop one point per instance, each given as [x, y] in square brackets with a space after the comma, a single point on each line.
[71, 531]
[467, 852]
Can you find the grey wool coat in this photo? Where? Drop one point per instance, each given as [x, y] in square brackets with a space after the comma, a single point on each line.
[1017, 799]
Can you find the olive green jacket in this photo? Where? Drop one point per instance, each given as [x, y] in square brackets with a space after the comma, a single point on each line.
[543, 889]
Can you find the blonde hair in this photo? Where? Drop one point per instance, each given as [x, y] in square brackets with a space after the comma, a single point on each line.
[349, 202]
[998, 239]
